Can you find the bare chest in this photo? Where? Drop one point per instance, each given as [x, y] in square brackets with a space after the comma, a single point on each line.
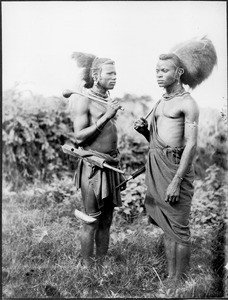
[106, 141]
[170, 123]
[96, 111]
[168, 109]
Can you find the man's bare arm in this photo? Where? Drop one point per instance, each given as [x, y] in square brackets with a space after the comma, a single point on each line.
[191, 112]
[85, 132]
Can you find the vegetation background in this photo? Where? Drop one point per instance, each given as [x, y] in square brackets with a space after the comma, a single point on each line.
[40, 235]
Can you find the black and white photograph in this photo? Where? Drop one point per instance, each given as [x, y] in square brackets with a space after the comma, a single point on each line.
[114, 149]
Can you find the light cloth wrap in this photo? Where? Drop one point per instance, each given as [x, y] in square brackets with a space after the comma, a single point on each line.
[162, 164]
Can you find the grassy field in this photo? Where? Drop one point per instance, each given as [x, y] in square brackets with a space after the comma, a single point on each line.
[40, 235]
[41, 250]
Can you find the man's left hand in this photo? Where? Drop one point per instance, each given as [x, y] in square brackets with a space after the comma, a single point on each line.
[173, 192]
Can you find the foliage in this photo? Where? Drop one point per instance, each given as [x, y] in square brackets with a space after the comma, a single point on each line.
[212, 142]
[132, 153]
[133, 199]
[133, 146]
[209, 199]
[32, 137]
[224, 113]
[34, 128]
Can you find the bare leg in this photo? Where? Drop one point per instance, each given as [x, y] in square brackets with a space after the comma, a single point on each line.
[170, 252]
[182, 261]
[90, 205]
[178, 257]
[102, 235]
[87, 242]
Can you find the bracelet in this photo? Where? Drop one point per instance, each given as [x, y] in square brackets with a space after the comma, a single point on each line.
[97, 127]
[178, 176]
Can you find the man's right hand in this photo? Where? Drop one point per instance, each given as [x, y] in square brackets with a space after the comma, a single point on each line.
[112, 108]
[141, 125]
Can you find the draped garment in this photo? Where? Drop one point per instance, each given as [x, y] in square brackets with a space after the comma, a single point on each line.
[162, 164]
[103, 181]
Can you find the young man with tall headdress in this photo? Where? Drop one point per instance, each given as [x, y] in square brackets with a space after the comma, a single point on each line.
[172, 135]
[95, 131]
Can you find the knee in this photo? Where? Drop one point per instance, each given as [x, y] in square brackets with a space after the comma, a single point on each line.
[90, 228]
[168, 239]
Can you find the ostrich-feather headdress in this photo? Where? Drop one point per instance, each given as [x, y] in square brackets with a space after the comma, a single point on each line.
[198, 57]
[89, 64]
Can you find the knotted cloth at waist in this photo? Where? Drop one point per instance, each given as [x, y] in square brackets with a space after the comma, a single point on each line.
[102, 180]
[111, 157]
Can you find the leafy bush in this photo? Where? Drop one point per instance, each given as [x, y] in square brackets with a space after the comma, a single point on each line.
[34, 128]
[133, 146]
[133, 199]
[32, 138]
[132, 153]
[212, 142]
[209, 199]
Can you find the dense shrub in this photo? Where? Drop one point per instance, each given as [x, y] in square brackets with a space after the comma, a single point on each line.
[132, 145]
[212, 141]
[133, 199]
[34, 128]
[33, 132]
[208, 205]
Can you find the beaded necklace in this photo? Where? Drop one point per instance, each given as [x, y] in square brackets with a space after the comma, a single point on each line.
[99, 94]
[168, 97]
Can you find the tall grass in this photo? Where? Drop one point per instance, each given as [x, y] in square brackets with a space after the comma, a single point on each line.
[41, 252]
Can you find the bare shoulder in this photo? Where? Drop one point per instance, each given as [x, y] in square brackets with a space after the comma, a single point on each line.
[189, 105]
[78, 104]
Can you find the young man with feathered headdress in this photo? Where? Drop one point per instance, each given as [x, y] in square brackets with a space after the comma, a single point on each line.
[172, 134]
[95, 131]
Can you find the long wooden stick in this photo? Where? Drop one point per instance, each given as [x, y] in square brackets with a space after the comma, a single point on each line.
[68, 93]
[148, 114]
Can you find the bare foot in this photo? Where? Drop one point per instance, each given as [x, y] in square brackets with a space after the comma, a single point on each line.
[168, 287]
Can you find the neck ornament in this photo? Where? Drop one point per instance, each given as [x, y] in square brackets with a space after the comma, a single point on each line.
[178, 93]
[99, 94]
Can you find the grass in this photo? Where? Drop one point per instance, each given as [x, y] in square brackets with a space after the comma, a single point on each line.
[41, 252]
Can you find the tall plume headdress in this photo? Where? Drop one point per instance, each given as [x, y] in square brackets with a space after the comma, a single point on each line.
[89, 64]
[198, 58]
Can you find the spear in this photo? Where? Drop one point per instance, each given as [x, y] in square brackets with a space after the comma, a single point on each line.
[132, 176]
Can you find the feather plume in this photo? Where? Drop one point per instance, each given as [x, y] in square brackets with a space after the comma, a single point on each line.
[198, 57]
[84, 61]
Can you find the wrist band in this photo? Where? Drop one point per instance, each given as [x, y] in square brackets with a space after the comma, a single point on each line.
[97, 127]
[178, 176]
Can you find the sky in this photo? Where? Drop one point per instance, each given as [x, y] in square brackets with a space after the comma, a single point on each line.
[38, 39]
